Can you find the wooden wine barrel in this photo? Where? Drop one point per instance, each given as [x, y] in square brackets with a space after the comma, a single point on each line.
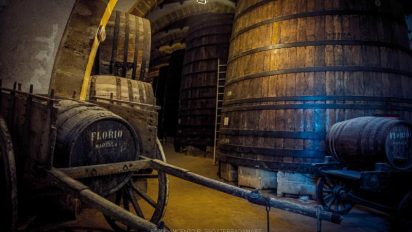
[121, 89]
[8, 181]
[87, 135]
[207, 41]
[126, 50]
[295, 68]
[363, 141]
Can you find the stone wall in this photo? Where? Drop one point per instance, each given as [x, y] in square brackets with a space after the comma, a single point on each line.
[30, 36]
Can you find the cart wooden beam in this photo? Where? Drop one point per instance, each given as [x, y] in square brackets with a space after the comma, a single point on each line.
[63, 181]
[252, 196]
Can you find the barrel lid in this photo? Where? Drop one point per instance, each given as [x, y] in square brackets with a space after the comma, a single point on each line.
[104, 141]
[398, 145]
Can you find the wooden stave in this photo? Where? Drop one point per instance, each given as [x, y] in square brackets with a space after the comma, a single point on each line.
[75, 118]
[103, 86]
[265, 109]
[112, 58]
[208, 40]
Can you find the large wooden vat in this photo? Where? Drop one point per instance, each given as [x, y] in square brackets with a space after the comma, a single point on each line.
[126, 49]
[88, 135]
[363, 141]
[207, 41]
[295, 68]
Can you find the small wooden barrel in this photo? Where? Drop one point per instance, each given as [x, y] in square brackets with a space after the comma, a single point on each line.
[297, 67]
[364, 141]
[121, 89]
[90, 135]
[126, 50]
[207, 41]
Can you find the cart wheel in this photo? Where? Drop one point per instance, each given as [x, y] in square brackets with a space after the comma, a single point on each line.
[8, 181]
[404, 215]
[331, 194]
[145, 195]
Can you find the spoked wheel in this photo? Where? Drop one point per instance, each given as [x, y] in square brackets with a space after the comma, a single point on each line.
[145, 195]
[331, 194]
[8, 181]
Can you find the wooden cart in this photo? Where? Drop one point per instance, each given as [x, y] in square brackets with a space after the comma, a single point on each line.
[33, 145]
[383, 188]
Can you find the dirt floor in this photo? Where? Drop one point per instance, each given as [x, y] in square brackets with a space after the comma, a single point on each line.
[193, 208]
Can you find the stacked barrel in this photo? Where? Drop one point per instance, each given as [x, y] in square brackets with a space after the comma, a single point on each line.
[297, 67]
[207, 42]
[126, 49]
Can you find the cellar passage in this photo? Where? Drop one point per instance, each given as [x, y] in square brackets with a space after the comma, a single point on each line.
[280, 115]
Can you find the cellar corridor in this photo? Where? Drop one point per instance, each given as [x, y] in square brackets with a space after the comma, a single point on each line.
[206, 115]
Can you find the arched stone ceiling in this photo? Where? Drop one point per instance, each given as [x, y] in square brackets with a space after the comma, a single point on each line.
[142, 8]
[170, 13]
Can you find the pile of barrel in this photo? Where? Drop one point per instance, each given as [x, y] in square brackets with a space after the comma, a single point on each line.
[126, 50]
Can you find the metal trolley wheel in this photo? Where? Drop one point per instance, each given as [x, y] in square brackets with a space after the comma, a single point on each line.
[8, 181]
[144, 195]
[331, 194]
